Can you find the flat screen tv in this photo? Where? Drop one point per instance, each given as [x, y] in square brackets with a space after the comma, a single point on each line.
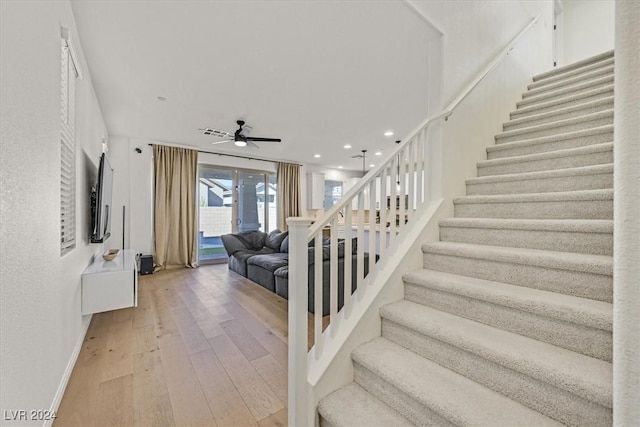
[101, 208]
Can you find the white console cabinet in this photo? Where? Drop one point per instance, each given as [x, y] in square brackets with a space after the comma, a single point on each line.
[109, 285]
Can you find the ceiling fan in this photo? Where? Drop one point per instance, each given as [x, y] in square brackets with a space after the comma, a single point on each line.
[240, 137]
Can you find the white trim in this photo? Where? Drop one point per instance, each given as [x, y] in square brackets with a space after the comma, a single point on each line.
[86, 321]
[422, 16]
[64, 32]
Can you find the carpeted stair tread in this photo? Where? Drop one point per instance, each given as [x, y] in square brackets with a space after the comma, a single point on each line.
[574, 66]
[523, 109]
[582, 195]
[353, 406]
[574, 89]
[575, 204]
[551, 155]
[581, 138]
[606, 168]
[559, 125]
[455, 398]
[563, 235]
[581, 311]
[596, 105]
[600, 68]
[585, 76]
[572, 73]
[564, 225]
[581, 375]
[596, 264]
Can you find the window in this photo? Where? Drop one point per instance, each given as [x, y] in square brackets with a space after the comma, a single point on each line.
[68, 76]
[332, 193]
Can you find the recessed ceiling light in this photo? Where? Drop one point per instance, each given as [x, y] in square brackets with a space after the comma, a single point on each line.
[316, 156]
[339, 167]
[347, 146]
[372, 165]
[378, 153]
[161, 98]
[388, 133]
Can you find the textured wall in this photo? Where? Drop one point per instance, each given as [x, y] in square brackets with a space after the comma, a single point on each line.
[626, 246]
[40, 316]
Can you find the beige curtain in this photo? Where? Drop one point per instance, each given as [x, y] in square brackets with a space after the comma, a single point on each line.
[174, 215]
[289, 193]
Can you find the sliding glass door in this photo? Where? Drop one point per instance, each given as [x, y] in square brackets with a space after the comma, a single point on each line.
[232, 201]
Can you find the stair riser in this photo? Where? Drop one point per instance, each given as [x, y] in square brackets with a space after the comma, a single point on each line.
[407, 406]
[565, 102]
[546, 185]
[552, 401]
[555, 145]
[554, 163]
[561, 116]
[569, 83]
[568, 282]
[563, 93]
[576, 66]
[578, 242]
[582, 125]
[588, 341]
[601, 68]
[587, 209]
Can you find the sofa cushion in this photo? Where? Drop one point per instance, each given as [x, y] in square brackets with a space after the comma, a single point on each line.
[281, 276]
[284, 246]
[252, 239]
[274, 239]
[269, 262]
[238, 261]
[232, 244]
[260, 268]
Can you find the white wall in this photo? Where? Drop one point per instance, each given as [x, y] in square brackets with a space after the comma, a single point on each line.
[626, 221]
[473, 32]
[40, 320]
[588, 28]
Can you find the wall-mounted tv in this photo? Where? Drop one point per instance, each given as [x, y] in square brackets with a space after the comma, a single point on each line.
[101, 208]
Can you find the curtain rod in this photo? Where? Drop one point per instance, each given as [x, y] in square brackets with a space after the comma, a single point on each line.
[232, 155]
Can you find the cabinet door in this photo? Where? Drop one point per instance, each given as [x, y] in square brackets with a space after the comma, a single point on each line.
[108, 291]
[316, 190]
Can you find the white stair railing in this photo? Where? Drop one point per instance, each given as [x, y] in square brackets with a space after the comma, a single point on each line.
[362, 229]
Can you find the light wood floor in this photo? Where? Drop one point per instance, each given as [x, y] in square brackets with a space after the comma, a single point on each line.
[204, 347]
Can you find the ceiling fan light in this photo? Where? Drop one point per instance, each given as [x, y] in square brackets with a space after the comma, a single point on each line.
[240, 143]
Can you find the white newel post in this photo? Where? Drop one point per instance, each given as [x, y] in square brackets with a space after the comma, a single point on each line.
[298, 285]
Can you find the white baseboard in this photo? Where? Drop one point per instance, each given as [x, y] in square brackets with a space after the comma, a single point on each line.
[86, 320]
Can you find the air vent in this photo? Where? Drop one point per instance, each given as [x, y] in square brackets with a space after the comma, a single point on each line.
[214, 132]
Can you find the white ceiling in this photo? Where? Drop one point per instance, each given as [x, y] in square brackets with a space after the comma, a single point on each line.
[318, 74]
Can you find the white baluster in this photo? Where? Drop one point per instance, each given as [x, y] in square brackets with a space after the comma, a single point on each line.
[333, 273]
[348, 258]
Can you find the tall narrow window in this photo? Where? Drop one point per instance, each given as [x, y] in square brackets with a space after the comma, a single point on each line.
[68, 77]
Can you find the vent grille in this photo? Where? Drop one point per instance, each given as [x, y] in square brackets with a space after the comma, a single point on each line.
[215, 132]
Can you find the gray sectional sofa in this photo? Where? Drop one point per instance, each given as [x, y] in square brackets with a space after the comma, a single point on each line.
[264, 259]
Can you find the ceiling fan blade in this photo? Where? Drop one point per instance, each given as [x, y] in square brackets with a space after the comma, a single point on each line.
[255, 138]
[220, 142]
[253, 145]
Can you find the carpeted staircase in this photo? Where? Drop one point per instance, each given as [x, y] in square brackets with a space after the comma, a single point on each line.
[509, 323]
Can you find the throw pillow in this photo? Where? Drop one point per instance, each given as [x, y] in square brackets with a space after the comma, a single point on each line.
[275, 238]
